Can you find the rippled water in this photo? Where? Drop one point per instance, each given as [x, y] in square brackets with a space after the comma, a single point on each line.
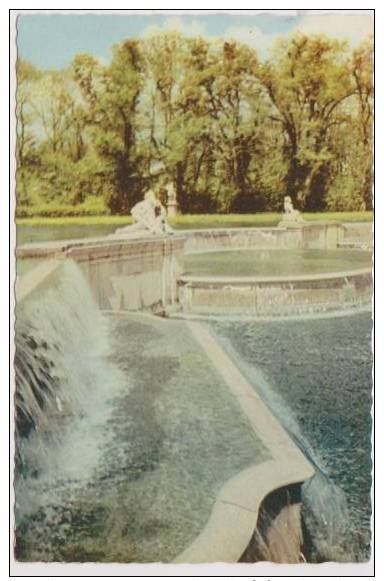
[316, 375]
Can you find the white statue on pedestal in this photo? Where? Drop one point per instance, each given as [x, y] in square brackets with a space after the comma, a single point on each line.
[290, 216]
[149, 216]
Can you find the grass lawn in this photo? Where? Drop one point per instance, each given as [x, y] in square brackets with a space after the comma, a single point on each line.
[190, 221]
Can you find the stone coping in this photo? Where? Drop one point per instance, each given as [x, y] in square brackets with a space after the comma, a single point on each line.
[243, 317]
[55, 247]
[232, 230]
[233, 280]
[112, 242]
[235, 512]
[298, 226]
[64, 247]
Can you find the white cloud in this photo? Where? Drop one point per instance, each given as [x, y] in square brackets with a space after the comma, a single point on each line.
[102, 60]
[353, 27]
[250, 35]
[176, 23]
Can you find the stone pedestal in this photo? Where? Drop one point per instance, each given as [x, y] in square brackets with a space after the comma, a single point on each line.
[172, 209]
[325, 235]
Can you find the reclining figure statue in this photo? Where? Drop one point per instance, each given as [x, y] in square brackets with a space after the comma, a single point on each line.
[149, 216]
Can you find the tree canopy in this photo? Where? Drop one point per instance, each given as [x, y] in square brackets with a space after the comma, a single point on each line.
[233, 133]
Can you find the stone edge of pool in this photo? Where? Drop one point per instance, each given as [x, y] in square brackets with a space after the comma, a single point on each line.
[234, 515]
[148, 273]
[309, 235]
[239, 280]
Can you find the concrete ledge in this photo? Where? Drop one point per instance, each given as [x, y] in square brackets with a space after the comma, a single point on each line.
[99, 248]
[234, 515]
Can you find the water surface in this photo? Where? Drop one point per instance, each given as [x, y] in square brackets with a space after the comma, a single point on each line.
[275, 262]
[173, 435]
[316, 375]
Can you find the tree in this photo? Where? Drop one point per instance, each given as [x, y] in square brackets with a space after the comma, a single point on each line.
[307, 83]
[111, 95]
[27, 74]
[231, 133]
[362, 71]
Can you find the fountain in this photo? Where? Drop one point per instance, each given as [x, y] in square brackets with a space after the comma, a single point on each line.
[134, 433]
[275, 283]
[124, 452]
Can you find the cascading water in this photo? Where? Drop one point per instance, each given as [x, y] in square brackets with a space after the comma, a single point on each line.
[336, 504]
[95, 469]
[122, 446]
[64, 383]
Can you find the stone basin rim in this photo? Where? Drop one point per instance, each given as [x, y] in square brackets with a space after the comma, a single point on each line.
[222, 279]
[240, 498]
[209, 545]
[242, 317]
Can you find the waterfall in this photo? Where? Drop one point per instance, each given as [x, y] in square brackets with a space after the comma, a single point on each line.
[326, 516]
[64, 382]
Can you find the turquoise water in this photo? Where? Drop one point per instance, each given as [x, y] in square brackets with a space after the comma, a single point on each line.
[275, 262]
[316, 375]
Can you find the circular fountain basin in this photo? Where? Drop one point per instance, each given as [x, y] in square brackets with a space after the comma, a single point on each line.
[275, 282]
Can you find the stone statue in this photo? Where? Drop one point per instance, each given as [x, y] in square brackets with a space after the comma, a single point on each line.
[291, 217]
[171, 200]
[149, 216]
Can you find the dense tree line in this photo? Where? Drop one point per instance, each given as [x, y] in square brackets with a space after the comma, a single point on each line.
[234, 134]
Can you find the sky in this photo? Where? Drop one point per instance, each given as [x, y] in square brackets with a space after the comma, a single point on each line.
[51, 40]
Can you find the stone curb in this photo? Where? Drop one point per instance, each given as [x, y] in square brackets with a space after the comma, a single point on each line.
[239, 280]
[234, 515]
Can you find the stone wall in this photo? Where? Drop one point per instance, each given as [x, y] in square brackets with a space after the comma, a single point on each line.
[123, 274]
[135, 274]
[132, 275]
[285, 296]
[358, 235]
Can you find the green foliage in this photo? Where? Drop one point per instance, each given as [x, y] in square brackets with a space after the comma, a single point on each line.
[231, 133]
[92, 206]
